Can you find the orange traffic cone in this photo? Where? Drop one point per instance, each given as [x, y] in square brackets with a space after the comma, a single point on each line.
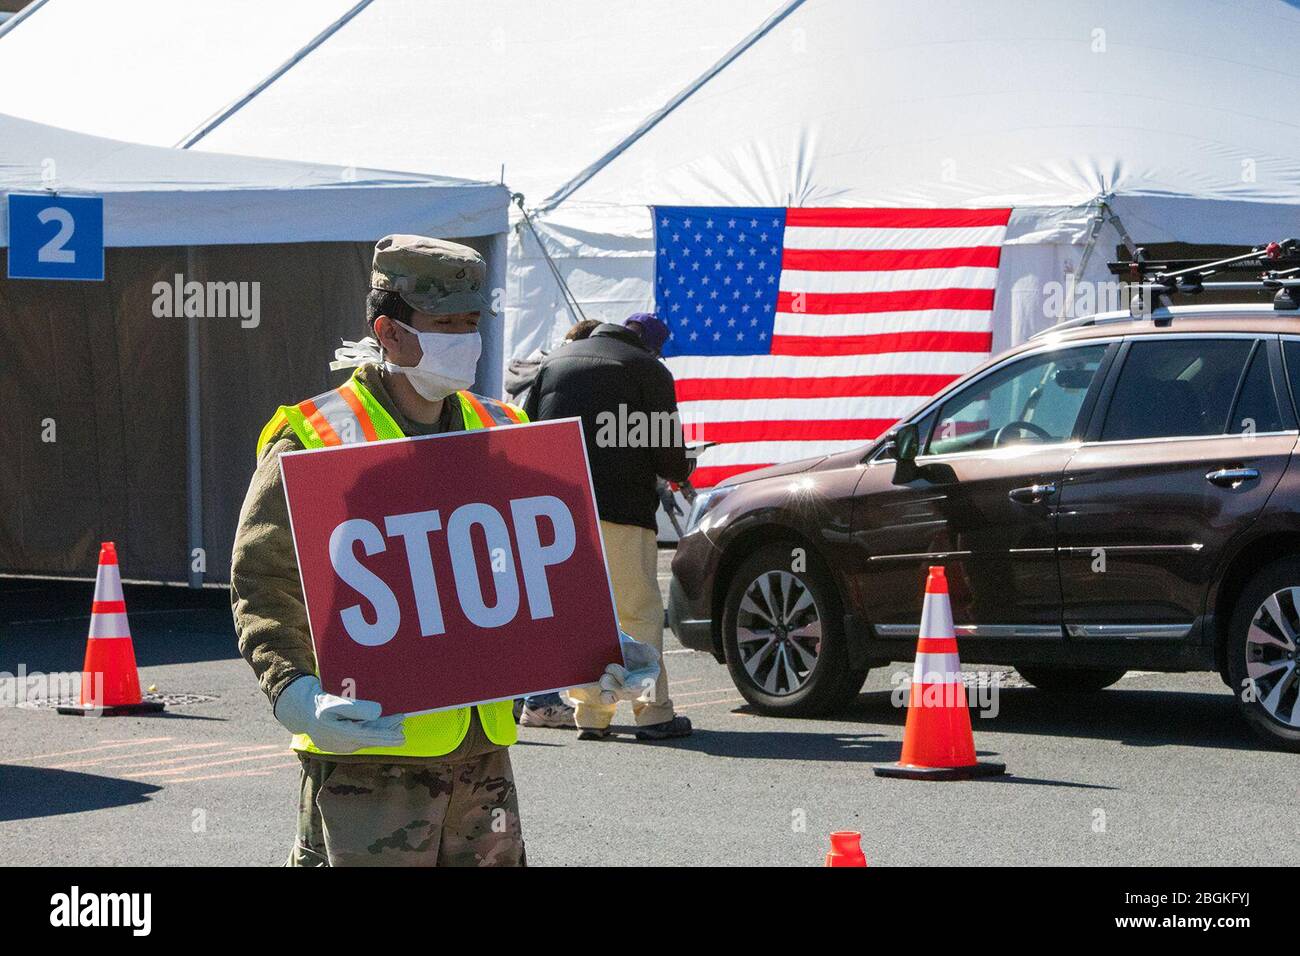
[110, 685]
[846, 849]
[937, 742]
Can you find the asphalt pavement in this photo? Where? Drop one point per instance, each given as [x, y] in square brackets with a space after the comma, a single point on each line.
[1156, 770]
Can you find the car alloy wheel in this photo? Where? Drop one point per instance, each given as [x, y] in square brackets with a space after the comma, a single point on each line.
[1271, 644]
[778, 632]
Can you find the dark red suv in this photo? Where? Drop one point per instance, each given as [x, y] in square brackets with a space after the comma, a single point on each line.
[1116, 495]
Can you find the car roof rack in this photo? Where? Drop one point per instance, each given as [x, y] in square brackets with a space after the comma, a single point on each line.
[1276, 264]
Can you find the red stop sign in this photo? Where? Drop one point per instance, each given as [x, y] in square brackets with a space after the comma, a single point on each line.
[453, 569]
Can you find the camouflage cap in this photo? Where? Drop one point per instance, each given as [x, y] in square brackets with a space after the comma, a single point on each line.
[431, 275]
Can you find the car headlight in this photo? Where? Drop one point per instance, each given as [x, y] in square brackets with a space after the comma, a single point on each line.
[704, 500]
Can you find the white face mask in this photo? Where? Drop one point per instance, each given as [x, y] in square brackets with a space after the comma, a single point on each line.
[446, 366]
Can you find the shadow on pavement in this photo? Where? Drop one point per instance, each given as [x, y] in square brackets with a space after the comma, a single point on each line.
[1137, 718]
[1041, 782]
[849, 748]
[773, 745]
[43, 624]
[179, 715]
[29, 792]
[843, 748]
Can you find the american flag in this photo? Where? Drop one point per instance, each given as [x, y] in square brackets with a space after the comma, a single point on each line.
[799, 332]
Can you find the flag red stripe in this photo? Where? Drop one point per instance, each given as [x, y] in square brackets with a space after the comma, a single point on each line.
[843, 386]
[707, 476]
[833, 429]
[879, 344]
[970, 428]
[898, 218]
[889, 260]
[908, 300]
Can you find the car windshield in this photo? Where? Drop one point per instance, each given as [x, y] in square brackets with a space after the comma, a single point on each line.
[1034, 400]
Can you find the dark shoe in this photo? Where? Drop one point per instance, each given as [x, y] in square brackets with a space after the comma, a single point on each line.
[595, 733]
[558, 714]
[679, 726]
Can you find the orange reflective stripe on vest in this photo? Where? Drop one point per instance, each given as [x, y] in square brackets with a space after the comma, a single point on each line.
[515, 415]
[489, 412]
[319, 422]
[359, 410]
[338, 417]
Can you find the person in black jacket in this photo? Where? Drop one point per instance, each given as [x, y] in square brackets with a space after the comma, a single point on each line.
[520, 372]
[541, 710]
[613, 380]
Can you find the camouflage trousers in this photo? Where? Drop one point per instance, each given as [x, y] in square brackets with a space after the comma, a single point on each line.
[378, 814]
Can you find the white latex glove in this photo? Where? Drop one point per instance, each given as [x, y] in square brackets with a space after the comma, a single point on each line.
[336, 724]
[635, 678]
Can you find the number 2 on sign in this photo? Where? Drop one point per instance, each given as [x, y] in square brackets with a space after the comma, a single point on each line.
[54, 250]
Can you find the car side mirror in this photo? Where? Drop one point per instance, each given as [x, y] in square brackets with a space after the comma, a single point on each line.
[906, 444]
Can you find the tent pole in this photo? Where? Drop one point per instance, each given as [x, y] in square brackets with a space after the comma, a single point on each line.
[213, 122]
[565, 191]
[490, 372]
[20, 16]
[570, 299]
[1094, 230]
[197, 560]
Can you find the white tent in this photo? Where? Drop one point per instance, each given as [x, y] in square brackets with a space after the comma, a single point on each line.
[426, 85]
[1096, 122]
[1088, 119]
[498, 87]
[156, 196]
[118, 414]
[166, 197]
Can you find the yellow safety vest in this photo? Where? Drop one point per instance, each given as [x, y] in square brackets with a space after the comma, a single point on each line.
[350, 413]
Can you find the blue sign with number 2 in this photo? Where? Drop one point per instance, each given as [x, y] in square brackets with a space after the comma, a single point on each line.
[56, 237]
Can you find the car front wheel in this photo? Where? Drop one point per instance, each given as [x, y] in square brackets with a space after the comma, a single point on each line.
[783, 635]
[1262, 654]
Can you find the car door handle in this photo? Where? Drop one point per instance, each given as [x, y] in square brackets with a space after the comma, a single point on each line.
[1231, 477]
[1033, 494]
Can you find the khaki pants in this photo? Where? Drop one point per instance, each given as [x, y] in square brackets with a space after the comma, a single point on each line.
[434, 814]
[633, 560]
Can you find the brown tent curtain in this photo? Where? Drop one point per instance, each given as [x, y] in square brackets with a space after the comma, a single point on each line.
[93, 391]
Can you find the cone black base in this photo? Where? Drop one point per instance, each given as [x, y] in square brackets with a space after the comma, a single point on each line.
[972, 772]
[118, 710]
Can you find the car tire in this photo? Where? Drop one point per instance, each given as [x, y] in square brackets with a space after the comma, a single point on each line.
[1254, 660]
[1071, 680]
[770, 664]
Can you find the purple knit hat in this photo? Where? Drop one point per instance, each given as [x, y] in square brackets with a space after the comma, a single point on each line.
[650, 328]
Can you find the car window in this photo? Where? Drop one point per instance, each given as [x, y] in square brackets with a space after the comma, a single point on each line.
[1034, 400]
[1291, 353]
[923, 428]
[1175, 388]
[1256, 409]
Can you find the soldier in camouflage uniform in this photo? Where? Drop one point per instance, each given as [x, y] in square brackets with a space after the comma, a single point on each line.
[454, 809]
[444, 814]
